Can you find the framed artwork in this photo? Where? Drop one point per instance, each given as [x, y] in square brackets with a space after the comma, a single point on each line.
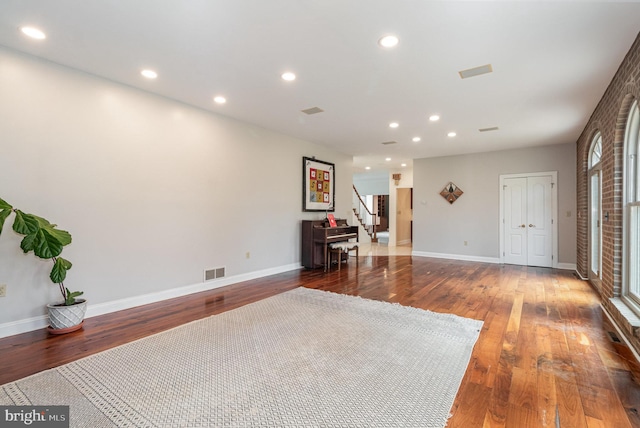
[451, 193]
[318, 185]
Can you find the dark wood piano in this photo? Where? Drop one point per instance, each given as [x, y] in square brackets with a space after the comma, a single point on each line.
[317, 234]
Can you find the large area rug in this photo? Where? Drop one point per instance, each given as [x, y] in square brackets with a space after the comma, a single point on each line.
[304, 358]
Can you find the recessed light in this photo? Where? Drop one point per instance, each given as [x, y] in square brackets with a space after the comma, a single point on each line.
[434, 117]
[220, 99]
[415, 139]
[149, 74]
[388, 41]
[387, 159]
[367, 167]
[403, 164]
[394, 125]
[288, 76]
[451, 134]
[33, 32]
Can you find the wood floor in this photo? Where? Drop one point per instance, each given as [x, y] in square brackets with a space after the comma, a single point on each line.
[545, 357]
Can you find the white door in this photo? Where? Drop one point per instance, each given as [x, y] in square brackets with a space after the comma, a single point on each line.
[528, 220]
[515, 221]
[540, 222]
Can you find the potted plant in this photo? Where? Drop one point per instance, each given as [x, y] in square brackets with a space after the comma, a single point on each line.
[47, 242]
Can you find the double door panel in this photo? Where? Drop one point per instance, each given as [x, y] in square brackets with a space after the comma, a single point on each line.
[528, 221]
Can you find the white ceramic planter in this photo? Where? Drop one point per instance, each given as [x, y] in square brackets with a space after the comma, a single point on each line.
[67, 317]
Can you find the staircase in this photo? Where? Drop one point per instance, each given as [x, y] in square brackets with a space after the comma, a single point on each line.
[367, 219]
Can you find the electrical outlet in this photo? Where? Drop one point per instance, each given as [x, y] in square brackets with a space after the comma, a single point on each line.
[3, 290]
[248, 255]
[466, 243]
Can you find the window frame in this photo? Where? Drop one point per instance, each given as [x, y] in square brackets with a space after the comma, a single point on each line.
[631, 208]
[595, 169]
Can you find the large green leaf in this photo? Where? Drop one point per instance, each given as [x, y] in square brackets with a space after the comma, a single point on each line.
[28, 243]
[25, 224]
[41, 236]
[5, 210]
[42, 222]
[3, 216]
[62, 236]
[59, 271]
[47, 245]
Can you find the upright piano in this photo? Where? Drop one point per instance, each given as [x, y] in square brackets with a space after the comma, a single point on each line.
[317, 235]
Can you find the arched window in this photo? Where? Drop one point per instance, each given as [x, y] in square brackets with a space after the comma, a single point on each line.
[595, 153]
[595, 210]
[631, 222]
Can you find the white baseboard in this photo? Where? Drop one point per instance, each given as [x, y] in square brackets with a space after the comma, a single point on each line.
[36, 323]
[563, 266]
[456, 257]
[23, 326]
[580, 275]
[567, 266]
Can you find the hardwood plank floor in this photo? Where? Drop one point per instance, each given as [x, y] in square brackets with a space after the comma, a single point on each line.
[545, 357]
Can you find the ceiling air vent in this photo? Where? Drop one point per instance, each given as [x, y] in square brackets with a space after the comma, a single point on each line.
[388, 143]
[312, 110]
[477, 71]
[493, 128]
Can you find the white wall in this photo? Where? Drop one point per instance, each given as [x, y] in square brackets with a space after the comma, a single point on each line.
[440, 228]
[153, 191]
[372, 183]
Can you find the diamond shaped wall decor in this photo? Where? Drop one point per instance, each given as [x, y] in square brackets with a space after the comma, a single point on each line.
[451, 192]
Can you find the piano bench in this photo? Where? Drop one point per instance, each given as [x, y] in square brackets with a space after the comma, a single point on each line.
[340, 248]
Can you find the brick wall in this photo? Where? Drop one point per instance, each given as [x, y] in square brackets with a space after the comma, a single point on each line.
[609, 118]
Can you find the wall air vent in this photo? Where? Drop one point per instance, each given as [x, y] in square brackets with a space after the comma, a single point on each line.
[476, 71]
[215, 273]
[493, 128]
[312, 110]
[388, 143]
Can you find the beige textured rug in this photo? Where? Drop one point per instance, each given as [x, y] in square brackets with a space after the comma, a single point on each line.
[304, 358]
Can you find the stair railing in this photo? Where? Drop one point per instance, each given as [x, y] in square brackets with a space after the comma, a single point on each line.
[366, 217]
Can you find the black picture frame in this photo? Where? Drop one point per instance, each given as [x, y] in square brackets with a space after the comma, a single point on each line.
[318, 185]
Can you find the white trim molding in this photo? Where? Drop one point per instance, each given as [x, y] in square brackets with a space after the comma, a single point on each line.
[42, 321]
[456, 257]
[568, 266]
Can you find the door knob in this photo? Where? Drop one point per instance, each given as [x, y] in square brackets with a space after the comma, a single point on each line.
[532, 225]
[523, 225]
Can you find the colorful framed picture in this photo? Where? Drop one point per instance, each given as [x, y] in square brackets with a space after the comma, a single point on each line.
[318, 185]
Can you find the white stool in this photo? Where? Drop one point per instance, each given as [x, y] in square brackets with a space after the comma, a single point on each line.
[340, 248]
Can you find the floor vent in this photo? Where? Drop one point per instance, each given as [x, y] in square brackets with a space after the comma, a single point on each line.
[215, 273]
[614, 337]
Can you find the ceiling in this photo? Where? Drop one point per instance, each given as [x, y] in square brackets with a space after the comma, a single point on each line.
[551, 61]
